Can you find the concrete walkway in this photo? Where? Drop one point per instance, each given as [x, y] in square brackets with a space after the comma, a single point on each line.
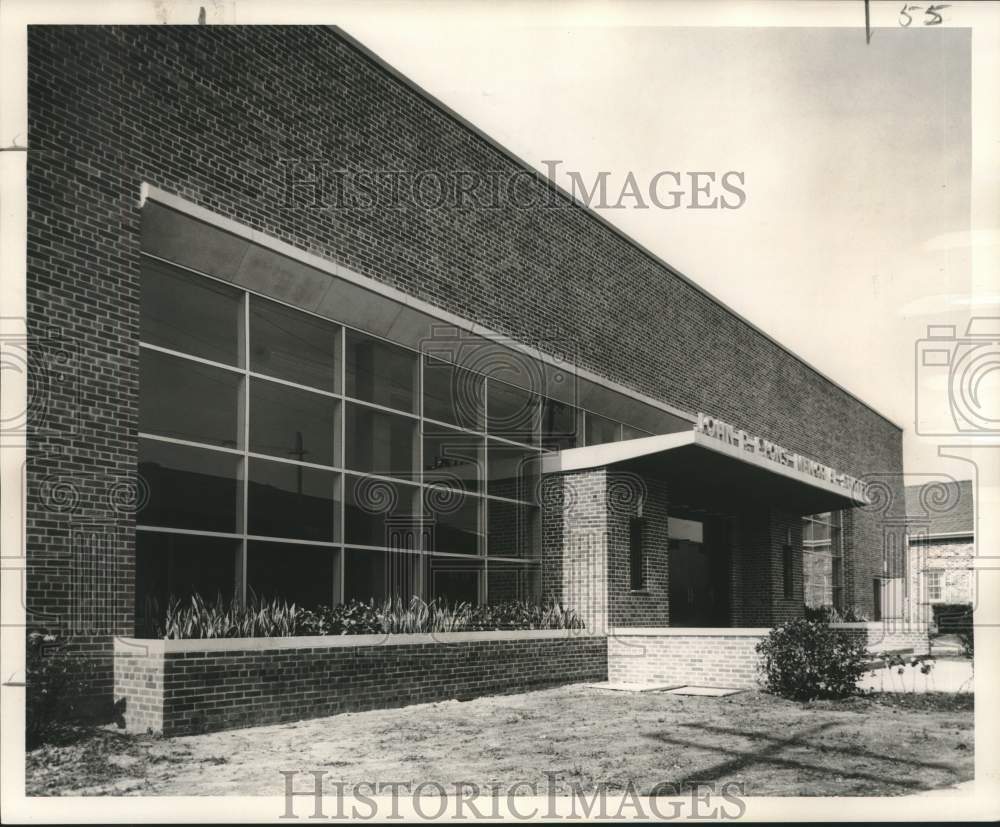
[945, 676]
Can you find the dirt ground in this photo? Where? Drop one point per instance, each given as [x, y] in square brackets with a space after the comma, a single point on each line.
[875, 745]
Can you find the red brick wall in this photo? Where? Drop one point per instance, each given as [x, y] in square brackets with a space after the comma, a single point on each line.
[220, 115]
[177, 692]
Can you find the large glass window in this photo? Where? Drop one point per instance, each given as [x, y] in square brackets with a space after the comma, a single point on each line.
[190, 313]
[512, 471]
[292, 423]
[381, 373]
[300, 574]
[453, 395]
[190, 488]
[279, 428]
[381, 513]
[453, 458]
[822, 560]
[451, 520]
[294, 346]
[380, 442]
[291, 500]
[171, 567]
[512, 413]
[559, 425]
[601, 430]
[512, 529]
[188, 400]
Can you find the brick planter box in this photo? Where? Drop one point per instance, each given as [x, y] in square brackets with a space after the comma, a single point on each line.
[178, 687]
[693, 657]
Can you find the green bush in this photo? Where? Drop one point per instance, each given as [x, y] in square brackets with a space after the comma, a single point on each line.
[804, 659]
[275, 618]
[55, 682]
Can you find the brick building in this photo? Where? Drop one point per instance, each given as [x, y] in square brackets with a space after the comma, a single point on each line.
[311, 334]
[941, 546]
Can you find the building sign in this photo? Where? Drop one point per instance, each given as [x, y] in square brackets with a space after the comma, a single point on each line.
[772, 452]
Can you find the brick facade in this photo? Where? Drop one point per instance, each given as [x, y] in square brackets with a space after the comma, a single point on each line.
[183, 687]
[955, 559]
[214, 115]
[685, 657]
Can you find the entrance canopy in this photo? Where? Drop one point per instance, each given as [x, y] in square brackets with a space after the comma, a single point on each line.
[703, 470]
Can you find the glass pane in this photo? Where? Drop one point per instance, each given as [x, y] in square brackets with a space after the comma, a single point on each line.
[293, 346]
[188, 400]
[628, 432]
[189, 313]
[169, 566]
[288, 500]
[512, 413]
[380, 442]
[381, 513]
[381, 373]
[453, 458]
[451, 520]
[292, 423]
[378, 575]
[512, 581]
[513, 530]
[453, 580]
[194, 488]
[558, 426]
[601, 430]
[513, 472]
[453, 395]
[298, 574]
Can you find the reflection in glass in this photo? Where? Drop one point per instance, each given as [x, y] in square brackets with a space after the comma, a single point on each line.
[176, 566]
[513, 530]
[451, 520]
[381, 513]
[292, 423]
[296, 573]
[512, 413]
[381, 373]
[453, 580]
[380, 442]
[286, 500]
[378, 575]
[513, 472]
[294, 346]
[601, 430]
[558, 425]
[188, 400]
[193, 488]
[453, 395]
[513, 581]
[190, 313]
[453, 458]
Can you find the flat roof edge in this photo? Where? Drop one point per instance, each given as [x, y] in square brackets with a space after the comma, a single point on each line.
[387, 67]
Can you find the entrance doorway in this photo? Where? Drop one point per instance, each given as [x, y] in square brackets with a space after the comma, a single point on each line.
[699, 572]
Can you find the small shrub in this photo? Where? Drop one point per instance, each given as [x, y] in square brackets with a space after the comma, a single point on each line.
[55, 681]
[804, 659]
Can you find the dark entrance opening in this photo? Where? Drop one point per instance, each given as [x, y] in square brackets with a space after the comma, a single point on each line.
[699, 570]
[877, 604]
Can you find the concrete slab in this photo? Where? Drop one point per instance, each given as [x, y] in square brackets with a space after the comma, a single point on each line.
[708, 691]
[633, 687]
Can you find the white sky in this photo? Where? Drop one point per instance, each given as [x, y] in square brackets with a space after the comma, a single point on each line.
[855, 233]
